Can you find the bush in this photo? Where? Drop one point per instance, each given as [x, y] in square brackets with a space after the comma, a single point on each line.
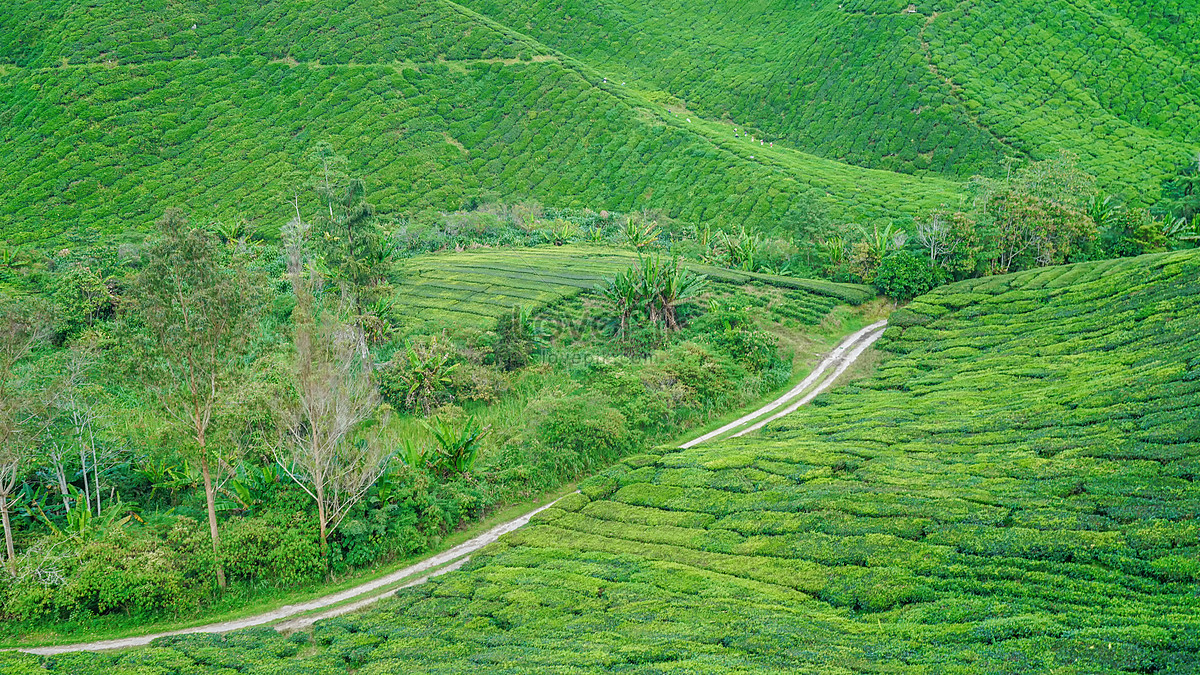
[277, 547]
[757, 350]
[903, 276]
[516, 340]
[585, 429]
[419, 377]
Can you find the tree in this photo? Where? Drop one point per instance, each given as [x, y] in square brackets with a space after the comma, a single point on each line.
[75, 410]
[1036, 215]
[952, 242]
[655, 286]
[1130, 232]
[1029, 231]
[198, 304]
[24, 325]
[516, 339]
[333, 397]
[1180, 204]
[355, 250]
[903, 276]
[349, 236]
[807, 224]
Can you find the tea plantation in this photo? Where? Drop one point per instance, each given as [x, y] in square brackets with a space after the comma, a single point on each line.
[1013, 490]
[113, 112]
[475, 288]
[930, 85]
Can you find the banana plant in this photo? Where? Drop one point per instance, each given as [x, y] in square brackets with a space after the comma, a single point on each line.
[163, 473]
[655, 286]
[677, 285]
[741, 249]
[11, 256]
[834, 250]
[456, 449]
[640, 233]
[230, 233]
[621, 292]
[428, 372]
[560, 232]
[412, 454]
[880, 242]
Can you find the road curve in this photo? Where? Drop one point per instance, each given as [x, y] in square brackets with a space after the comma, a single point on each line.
[294, 617]
[834, 359]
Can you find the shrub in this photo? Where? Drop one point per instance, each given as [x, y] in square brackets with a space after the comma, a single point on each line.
[277, 547]
[419, 377]
[516, 340]
[757, 350]
[583, 429]
[903, 276]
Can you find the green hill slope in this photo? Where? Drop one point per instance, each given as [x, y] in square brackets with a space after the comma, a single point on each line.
[944, 86]
[474, 288]
[431, 105]
[1013, 491]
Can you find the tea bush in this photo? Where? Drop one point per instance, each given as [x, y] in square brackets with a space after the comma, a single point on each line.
[1013, 488]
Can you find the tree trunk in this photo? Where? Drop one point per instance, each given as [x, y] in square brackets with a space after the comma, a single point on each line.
[61, 474]
[87, 490]
[8, 539]
[210, 497]
[322, 519]
[95, 467]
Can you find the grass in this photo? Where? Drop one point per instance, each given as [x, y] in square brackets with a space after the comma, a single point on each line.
[1012, 490]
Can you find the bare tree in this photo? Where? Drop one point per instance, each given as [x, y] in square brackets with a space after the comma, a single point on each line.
[199, 307]
[23, 326]
[334, 395]
[76, 413]
[934, 237]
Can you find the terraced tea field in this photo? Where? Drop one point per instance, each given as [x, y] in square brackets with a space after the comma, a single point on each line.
[931, 85]
[1014, 490]
[476, 287]
[113, 113]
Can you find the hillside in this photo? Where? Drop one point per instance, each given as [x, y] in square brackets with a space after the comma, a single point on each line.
[1013, 490]
[114, 112]
[474, 288]
[941, 86]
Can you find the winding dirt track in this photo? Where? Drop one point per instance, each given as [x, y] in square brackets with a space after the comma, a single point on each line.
[293, 617]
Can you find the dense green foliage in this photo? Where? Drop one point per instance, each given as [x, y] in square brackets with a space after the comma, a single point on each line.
[904, 275]
[943, 86]
[109, 508]
[1014, 490]
[49, 33]
[1101, 78]
[826, 76]
[100, 148]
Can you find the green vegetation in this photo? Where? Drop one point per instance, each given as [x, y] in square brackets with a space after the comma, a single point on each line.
[442, 257]
[474, 289]
[172, 441]
[1012, 489]
[1099, 78]
[928, 86]
[100, 147]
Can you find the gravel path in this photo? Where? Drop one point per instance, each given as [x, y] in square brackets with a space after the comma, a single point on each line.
[293, 617]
